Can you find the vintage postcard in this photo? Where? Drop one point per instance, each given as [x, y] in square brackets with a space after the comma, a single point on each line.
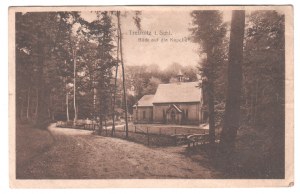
[151, 96]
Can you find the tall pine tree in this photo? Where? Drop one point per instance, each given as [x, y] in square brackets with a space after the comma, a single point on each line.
[209, 31]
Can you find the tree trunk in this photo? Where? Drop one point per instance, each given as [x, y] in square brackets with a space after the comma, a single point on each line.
[22, 109]
[123, 73]
[256, 103]
[211, 97]
[18, 106]
[77, 110]
[51, 110]
[67, 106]
[74, 61]
[211, 111]
[100, 119]
[28, 103]
[116, 87]
[232, 109]
[105, 126]
[252, 108]
[100, 113]
[94, 102]
[42, 109]
[37, 102]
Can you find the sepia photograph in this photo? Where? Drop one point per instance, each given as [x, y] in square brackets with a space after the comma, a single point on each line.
[122, 94]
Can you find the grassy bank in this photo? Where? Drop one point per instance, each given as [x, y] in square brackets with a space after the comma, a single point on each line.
[259, 154]
[30, 143]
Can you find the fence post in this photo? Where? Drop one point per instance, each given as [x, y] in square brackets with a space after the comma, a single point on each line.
[124, 127]
[175, 131]
[159, 131]
[148, 135]
[135, 128]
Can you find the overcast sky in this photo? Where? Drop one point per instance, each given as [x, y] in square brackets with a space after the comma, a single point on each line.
[177, 23]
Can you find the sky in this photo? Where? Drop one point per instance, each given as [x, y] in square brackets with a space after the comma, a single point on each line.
[176, 25]
[144, 47]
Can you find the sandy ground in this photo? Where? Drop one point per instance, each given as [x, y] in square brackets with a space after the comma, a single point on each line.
[63, 153]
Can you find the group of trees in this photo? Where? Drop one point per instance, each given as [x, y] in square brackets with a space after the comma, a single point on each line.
[209, 32]
[252, 91]
[67, 67]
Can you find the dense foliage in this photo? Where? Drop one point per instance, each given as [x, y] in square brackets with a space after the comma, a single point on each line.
[67, 61]
[209, 31]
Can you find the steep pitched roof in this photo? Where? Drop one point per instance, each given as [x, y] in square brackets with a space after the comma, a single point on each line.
[177, 92]
[174, 107]
[145, 101]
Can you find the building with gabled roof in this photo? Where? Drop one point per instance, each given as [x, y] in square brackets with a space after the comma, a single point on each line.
[173, 103]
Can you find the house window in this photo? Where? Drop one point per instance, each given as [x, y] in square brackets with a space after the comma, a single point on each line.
[144, 114]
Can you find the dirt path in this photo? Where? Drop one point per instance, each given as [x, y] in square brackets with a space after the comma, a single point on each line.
[76, 154]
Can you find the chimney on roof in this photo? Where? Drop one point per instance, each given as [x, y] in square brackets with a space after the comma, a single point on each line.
[180, 76]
